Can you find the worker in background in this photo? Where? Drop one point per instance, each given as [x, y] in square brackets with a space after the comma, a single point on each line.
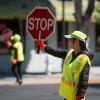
[17, 56]
[77, 62]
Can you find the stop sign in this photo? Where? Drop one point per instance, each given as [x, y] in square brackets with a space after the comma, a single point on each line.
[40, 23]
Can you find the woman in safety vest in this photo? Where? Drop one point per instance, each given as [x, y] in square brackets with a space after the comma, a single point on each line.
[17, 56]
[76, 65]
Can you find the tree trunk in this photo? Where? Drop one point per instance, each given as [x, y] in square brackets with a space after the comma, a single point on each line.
[83, 22]
[78, 13]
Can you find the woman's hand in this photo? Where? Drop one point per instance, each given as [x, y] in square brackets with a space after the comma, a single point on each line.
[9, 43]
[77, 98]
[40, 43]
[14, 61]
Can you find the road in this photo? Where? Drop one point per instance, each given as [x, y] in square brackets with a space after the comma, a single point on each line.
[41, 92]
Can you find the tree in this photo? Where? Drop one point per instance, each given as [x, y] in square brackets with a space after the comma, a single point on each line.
[96, 13]
[83, 21]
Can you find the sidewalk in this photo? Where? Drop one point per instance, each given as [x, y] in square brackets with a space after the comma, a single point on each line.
[94, 77]
[50, 79]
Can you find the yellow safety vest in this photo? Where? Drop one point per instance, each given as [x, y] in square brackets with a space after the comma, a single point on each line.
[20, 55]
[70, 75]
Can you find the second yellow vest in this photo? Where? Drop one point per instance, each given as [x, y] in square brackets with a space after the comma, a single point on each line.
[19, 47]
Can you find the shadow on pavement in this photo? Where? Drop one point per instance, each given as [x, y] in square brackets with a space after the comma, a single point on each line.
[97, 86]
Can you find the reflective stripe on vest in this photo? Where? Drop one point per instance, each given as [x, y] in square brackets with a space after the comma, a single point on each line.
[71, 73]
[20, 55]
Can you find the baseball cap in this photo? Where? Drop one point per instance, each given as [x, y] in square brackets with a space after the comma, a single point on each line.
[12, 37]
[77, 34]
[16, 37]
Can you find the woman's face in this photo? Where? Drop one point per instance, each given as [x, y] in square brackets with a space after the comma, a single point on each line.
[73, 43]
[70, 43]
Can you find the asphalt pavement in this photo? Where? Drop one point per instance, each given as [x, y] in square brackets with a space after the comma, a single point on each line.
[41, 92]
[44, 87]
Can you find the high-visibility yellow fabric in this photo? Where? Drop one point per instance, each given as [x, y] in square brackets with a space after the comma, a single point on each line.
[19, 47]
[70, 75]
[77, 34]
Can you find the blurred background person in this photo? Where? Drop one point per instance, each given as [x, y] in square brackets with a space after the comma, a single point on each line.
[17, 56]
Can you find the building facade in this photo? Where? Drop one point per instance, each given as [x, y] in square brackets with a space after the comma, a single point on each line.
[14, 15]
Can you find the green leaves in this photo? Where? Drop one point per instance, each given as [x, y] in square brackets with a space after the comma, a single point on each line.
[96, 13]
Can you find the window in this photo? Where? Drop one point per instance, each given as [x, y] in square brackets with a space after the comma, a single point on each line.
[60, 36]
[13, 25]
[97, 38]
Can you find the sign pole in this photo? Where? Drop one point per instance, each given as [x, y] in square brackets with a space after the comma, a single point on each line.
[38, 48]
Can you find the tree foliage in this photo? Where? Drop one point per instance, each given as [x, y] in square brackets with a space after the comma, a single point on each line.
[96, 13]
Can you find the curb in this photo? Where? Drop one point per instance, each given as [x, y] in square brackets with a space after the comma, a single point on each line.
[2, 82]
[94, 81]
[42, 81]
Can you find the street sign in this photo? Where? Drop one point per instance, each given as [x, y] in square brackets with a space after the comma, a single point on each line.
[40, 23]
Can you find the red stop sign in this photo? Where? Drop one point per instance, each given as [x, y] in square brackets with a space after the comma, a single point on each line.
[40, 23]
